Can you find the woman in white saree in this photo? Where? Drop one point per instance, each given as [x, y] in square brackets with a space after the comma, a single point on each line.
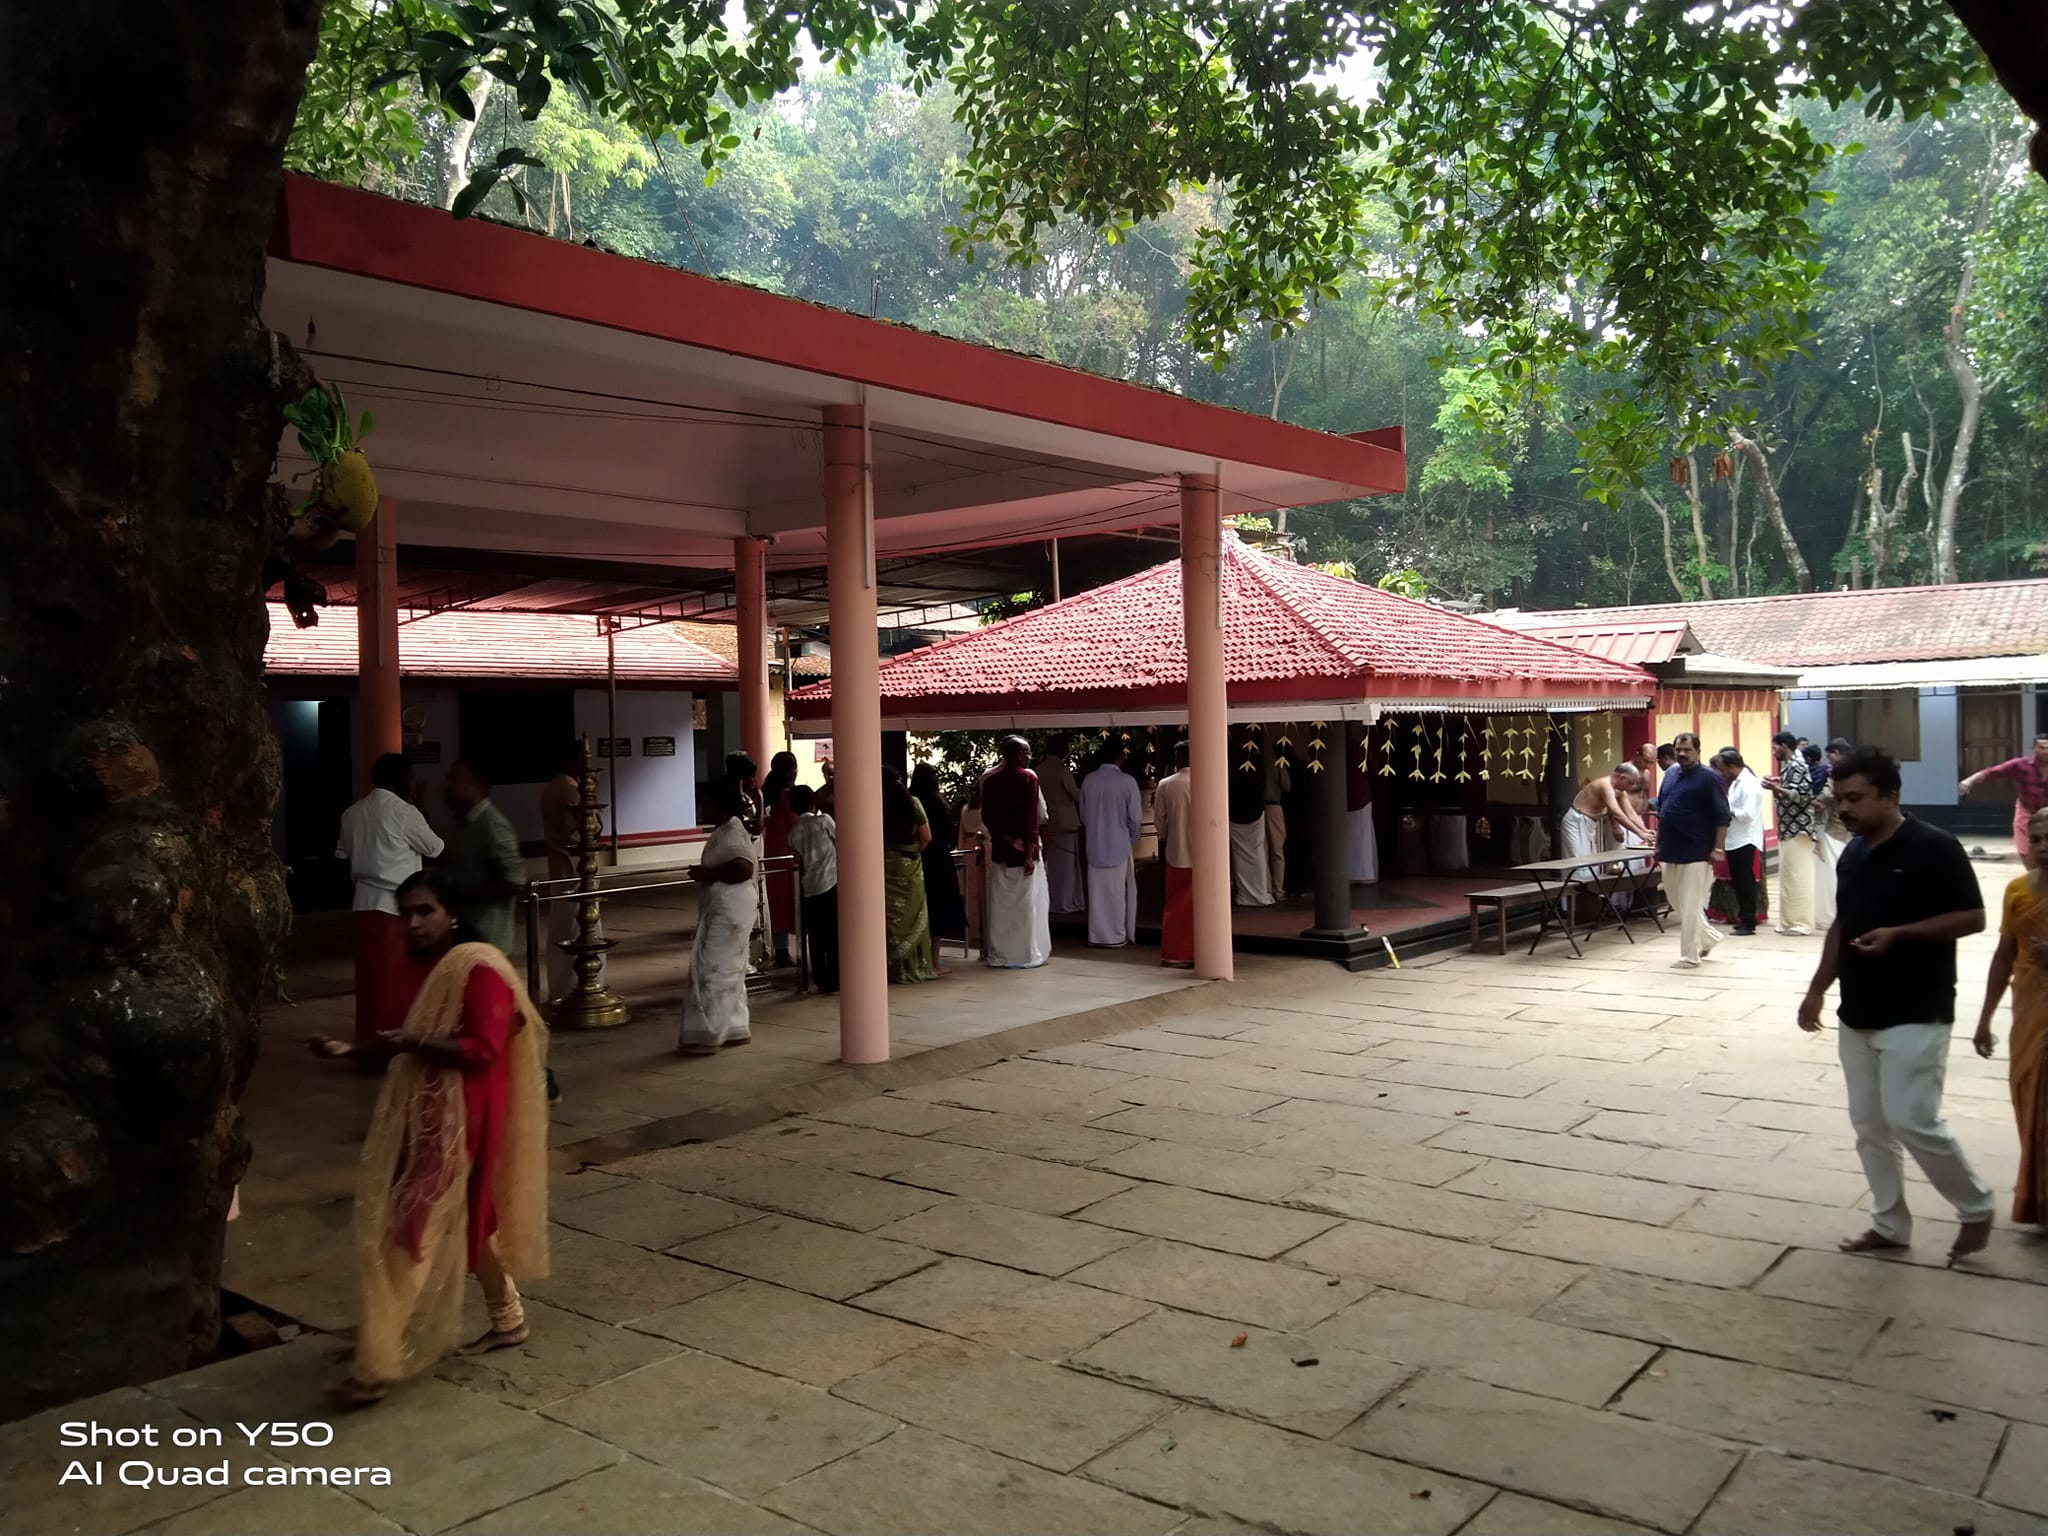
[715, 1007]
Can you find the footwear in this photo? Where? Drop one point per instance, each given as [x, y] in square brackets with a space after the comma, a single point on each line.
[350, 1393]
[1685, 965]
[484, 1343]
[1744, 933]
[1874, 1241]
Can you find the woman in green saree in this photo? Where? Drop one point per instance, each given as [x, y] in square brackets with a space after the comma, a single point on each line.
[905, 832]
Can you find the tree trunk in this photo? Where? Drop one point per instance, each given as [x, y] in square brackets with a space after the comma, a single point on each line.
[1670, 563]
[1883, 520]
[1767, 498]
[455, 167]
[1699, 530]
[1963, 369]
[1738, 572]
[1866, 485]
[140, 899]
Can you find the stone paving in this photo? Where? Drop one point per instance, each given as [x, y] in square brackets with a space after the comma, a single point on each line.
[1500, 1246]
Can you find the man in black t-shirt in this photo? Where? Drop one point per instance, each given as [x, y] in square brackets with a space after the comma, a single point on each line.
[1905, 892]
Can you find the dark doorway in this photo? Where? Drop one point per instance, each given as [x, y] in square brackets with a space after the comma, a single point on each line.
[319, 771]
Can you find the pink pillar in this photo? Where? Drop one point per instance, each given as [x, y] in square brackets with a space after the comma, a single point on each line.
[377, 703]
[856, 740]
[750, 581]
[1201, 554]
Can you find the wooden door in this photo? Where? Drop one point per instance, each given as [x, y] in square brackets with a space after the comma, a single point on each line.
[1988, 732]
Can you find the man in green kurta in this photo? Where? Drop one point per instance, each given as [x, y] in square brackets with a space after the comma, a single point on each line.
[484, 866]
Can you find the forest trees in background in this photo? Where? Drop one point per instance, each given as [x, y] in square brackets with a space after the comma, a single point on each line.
[1870, 408]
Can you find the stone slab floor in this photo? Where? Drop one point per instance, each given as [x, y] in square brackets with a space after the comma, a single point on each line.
[1501, 1246]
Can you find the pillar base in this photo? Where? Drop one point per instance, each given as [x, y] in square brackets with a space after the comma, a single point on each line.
[1352, 948]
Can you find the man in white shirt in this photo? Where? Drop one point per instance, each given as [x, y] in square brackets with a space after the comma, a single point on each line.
[1113, 814]
[814, 842]
[1172, 806]
[385, 839]
[1062, 835]
[1745, 838]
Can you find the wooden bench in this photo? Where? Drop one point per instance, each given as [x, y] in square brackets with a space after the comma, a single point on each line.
[1504, 900]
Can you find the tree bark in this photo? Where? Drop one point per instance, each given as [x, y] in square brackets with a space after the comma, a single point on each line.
[1699, 530]
[455, 167]
[140, 899]
[1767, 498]
[1883, 520]
[1670, 563]
[1963, 369]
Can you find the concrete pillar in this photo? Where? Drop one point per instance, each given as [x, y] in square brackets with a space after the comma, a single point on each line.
[1332, 826]
[750, 582]
[1201, 554]
[377, 639]
[856, 740]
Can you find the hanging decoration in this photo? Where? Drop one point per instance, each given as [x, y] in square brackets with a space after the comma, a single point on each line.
[1316, 746]
[1387, 750]
[1486, 752]
[1249, 746]
[1464, 775]
[1415, 750]
[1442, 730]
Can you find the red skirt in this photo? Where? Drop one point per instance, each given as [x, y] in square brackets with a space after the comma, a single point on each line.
[382, 998]
[1177, 929]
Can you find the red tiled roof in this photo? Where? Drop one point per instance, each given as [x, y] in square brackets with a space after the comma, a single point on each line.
[1826, 629]
[1292, 634]
[542, 646]
[723, 641]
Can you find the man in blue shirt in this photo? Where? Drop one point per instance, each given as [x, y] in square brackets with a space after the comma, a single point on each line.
[1692, 831]
[1112, 815]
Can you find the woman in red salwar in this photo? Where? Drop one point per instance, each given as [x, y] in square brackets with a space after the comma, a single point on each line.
[454, 1169]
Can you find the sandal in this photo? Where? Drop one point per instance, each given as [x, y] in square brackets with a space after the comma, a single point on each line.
[1870, 1241]
[350, 1393]
[484, 1343]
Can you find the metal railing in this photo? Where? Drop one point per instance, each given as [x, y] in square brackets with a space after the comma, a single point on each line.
[543, 893]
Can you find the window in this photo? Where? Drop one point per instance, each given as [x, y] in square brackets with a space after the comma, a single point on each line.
[1889, 721]
[516, 735]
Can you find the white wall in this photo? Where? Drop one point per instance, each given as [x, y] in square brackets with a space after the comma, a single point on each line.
[1806, 714]
[655, 794]
[1930, 779]
[658, 794]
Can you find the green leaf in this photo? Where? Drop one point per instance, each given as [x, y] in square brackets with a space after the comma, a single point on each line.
[474, 192]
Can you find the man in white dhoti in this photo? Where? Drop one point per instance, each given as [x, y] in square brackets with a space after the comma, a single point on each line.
[1361, 840]
[1112, 814]
[1597, 819]
[1019, 914]
[1062, 833]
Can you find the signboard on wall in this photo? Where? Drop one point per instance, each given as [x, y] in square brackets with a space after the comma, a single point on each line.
[423, 752]
[657, 746]
[822, 750]
[615, 746]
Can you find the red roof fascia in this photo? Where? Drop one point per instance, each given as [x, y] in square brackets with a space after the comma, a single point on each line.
[498, 646]
[349, 230]
[1294, 635]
